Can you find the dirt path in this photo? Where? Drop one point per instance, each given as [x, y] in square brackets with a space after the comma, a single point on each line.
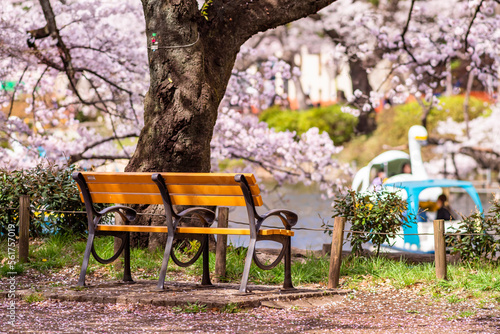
[390, 311]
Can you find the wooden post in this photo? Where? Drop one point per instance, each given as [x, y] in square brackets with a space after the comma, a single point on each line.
[336, 254]
[439, 249]
[118, 262]
[220, 248]
[24, 227]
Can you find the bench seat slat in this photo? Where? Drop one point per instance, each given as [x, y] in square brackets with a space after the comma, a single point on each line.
[176, 199]
[187, 189]
[192, 230]
[175, 178]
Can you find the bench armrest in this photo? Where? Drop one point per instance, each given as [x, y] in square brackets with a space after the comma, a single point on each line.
[128, 213]
[207, 215]
[288, 218]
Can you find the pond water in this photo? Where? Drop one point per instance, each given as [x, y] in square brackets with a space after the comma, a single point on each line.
[306, 202]
[313, 211]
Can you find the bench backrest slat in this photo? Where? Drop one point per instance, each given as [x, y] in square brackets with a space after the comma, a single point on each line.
[197, 189]
[172, 189]
[170, 178]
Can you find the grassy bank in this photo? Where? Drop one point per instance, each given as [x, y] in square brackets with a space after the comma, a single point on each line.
[393, 125]
[477, 280]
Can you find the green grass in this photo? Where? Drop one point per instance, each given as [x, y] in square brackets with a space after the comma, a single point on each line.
[476, 280]
[231, 308]
[6, 270]
[461, 315]
[190, 308]
[380, 269]
[55, 252]
[34, 298]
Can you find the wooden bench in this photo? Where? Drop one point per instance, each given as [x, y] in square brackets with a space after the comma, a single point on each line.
[187, 189]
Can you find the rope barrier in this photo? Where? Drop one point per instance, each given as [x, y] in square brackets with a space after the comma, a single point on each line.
[362, 232]
[59, 211]
[446, 234]
[296, 228]
[85, 212]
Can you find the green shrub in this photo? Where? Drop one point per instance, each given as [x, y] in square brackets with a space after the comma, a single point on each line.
[380, 211]
[339, 125]
[48, 188]
[476, 236]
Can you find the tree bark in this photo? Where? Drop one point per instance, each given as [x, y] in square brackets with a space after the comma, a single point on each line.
[188, 83]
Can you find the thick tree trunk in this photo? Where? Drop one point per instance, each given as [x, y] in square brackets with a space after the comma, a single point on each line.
[181, 104]
[180, 108]
[189, 82]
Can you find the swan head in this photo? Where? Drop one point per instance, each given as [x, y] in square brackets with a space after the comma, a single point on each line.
[419, 134]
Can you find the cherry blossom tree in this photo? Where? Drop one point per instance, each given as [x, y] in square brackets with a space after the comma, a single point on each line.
[308, 160]
[421, 52]
[478, 140]
[71, 60]
[188, 84]
[74, 60]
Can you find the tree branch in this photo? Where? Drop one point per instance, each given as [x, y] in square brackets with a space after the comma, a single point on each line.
[111, 119]
[406, 29]
[104, 157]
[51, 30]
[15, 90]
[485, 157]
[478, 8]
[77, 157]
[103, 79]
[241, 19]
[33, 96]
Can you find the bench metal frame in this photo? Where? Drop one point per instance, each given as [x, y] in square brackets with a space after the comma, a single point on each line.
[172, 219]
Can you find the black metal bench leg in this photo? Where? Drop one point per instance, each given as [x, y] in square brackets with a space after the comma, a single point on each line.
[287, 284]
[205, 280]
[248, 263]
[164, 264]
[86, 258]
[127, 276]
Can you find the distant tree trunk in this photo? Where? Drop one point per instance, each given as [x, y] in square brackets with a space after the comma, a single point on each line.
[457, 176]
[359, 78]
[188, 83]
[289, 57]
[449, 79]
[470, 81]
[426, 110]
[299, 93]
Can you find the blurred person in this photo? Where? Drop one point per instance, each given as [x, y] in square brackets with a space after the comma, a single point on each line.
[406, 168]
[444, 211]
[378, 180]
